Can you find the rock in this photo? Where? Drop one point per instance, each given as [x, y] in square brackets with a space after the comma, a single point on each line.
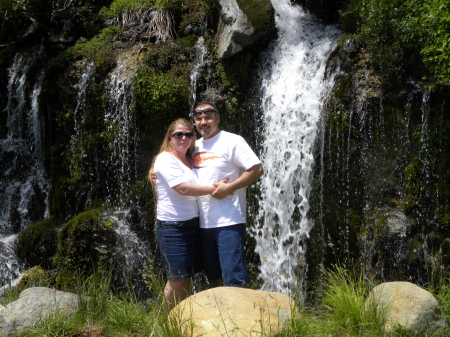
[407, 305]
[33, 305]
[231, 311]
[241, 24]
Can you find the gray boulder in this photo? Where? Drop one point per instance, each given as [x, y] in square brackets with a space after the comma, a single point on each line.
[407, 305]
[35, 304]
[241, 24]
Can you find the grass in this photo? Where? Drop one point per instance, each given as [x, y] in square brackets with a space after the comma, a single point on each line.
[342, 311]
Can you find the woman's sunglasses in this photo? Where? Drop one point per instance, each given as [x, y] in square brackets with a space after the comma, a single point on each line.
[179, 135]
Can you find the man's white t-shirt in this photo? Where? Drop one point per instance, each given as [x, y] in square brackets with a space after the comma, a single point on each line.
[171, 205]
[226, 155]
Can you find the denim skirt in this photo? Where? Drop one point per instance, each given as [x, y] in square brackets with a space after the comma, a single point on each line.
[180, 248]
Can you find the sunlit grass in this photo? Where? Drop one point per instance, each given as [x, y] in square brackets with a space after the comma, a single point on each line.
[342, 311]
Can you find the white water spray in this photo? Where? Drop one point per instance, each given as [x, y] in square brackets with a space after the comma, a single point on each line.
[121, 121]
[292, 90]
[23, 183]
[201, 54]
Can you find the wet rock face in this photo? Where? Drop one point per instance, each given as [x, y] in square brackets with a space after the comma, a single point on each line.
[241, 24]
[326, 10]
[377, 150]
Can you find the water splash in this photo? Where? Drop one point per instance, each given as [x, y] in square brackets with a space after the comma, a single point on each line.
[23, 185]
[292, 90]
[86, 80]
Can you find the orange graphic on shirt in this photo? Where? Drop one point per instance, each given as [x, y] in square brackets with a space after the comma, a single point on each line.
[201, 158]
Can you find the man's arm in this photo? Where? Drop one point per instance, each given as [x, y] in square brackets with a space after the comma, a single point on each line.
[248, 177]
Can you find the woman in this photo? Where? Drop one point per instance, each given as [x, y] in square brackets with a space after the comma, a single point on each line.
[177, 227]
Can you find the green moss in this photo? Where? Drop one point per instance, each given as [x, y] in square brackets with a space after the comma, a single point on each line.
[34, 277]
[195, 13]
[83, 243]
[412, 185]
[162, 97]
[165, 57]
[339, 120]
[121, 7]
[255, 10]
[231, 78]
[99, 49]
[36, 245]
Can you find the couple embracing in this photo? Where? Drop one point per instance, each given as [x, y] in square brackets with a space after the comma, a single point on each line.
[201, 202]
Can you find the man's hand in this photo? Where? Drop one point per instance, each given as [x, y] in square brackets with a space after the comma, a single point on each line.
[246, 178]
[222, 189]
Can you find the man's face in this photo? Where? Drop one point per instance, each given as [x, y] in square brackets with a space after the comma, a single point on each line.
[206, 121]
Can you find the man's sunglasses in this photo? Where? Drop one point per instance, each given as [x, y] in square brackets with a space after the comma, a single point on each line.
[203, 111]
[179, 135]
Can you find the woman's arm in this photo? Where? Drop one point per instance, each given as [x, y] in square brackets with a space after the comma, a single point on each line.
[193, 190]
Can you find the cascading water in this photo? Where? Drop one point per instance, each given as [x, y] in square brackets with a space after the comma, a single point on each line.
[120, 120]
[199, 62]
[23, 184]
[292, 90]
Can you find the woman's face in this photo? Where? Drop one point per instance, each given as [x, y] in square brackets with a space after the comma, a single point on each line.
[179, 141]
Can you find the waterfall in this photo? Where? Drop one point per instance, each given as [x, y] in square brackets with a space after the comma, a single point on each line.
[121, 121]
[23, 185]
[200, 54]
[293, 86]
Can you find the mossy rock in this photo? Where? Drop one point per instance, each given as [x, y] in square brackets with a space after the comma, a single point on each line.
[85, 242]
[33, 277]
[36, 244]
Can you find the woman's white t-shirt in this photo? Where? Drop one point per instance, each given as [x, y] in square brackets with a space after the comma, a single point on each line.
[171, 205]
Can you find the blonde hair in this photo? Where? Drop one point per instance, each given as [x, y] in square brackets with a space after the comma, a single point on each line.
[165, 146]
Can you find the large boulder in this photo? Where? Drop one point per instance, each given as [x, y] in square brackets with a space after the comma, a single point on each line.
[35, 304]
[231, 311]
[86, 241]
[36, 244]
[407, 305]
[241, 24]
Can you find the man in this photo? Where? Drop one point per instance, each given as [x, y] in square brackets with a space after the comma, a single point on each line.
[219, 155]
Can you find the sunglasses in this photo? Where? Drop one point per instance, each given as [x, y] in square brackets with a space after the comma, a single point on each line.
[204, 111]
[179, 135]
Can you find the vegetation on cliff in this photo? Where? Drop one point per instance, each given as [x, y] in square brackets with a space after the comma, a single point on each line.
[405, 38]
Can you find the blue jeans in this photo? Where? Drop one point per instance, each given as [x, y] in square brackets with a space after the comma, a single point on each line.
[180, 248]
[224, 254]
